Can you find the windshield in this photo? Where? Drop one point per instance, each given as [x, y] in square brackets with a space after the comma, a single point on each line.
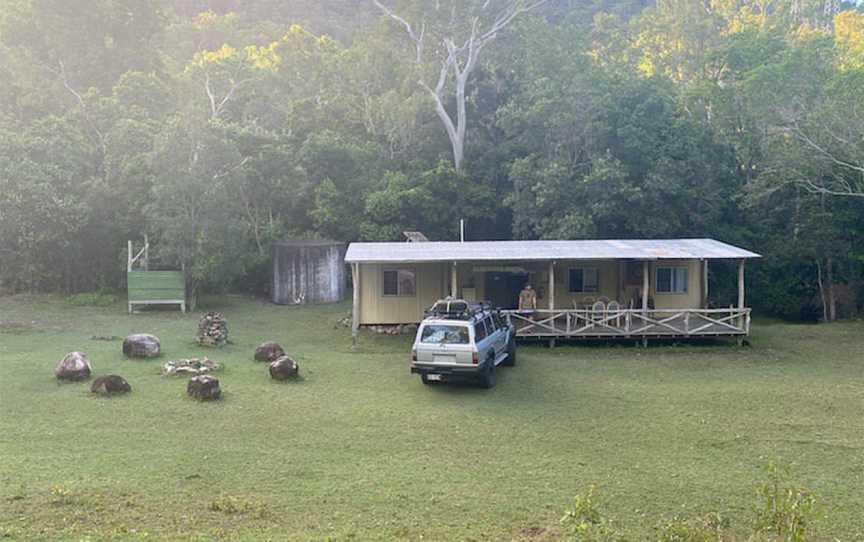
[444, 334]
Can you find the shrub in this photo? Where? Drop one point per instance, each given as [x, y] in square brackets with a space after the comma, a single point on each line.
[92, 299]
[782, 509]
[586, 522]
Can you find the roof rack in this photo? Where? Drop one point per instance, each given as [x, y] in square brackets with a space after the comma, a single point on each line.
[457, 309]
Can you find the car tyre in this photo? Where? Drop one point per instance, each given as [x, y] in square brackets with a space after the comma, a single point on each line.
[511, 354]
[489, 376]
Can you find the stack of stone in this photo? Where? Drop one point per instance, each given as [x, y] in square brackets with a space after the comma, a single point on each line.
[212, 330]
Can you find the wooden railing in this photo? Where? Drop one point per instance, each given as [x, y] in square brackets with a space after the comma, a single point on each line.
[630, 322]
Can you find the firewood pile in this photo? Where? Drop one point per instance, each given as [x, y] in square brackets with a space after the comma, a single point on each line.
[212, 330]
[193, 367]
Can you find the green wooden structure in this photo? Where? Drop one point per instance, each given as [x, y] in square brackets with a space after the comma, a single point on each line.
[147, 287]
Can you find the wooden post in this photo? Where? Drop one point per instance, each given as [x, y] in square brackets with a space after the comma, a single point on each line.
[129, 256]
[454, 281]
[705, 284]
[741, 319]
[146, 254]
[622, 270]
[355, 312]
[646, 287]
[552, 298]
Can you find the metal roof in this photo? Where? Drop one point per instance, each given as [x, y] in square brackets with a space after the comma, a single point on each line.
[605, 249]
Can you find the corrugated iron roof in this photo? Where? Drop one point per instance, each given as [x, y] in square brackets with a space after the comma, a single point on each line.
[601, 249]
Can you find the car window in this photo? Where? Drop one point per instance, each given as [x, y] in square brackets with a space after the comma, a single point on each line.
[479, 331]
[498, 323]
[491, 325]
[444, 334]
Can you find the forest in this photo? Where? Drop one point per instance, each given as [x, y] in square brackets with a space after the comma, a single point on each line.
[217, 127]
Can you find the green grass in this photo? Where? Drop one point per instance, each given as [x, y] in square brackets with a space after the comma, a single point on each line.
[361, 449]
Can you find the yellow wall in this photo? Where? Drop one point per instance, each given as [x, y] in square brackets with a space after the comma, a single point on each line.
[376, 308]
[433, 283]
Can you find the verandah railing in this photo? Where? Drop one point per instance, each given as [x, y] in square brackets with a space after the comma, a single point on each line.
[630, 322]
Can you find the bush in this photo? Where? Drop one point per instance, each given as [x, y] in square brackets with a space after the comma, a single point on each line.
[784, 510]
[586, 522]
[92, 299]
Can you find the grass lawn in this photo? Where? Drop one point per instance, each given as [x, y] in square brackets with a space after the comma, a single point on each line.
[360, 449]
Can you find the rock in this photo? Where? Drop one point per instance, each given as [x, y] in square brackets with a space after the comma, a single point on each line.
[204, 388]
[73, 366]
[192, 366]
[212, 330]
[269, 352]
[141, 345]
[110, 385]
[284, 368]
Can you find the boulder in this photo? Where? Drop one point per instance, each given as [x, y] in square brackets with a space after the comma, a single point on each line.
[204, 388]
[73, 366]
[269, 352]
[141, 345]
[110, 385]
[284, 368]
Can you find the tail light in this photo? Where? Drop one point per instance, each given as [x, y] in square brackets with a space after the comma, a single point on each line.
[414, 355]
[475, 358]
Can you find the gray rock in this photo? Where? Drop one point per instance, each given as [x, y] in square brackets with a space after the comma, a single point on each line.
[284, 368]
[110, 385]
[204, 388]
[269, 352]
[141, 345]
[74, 366]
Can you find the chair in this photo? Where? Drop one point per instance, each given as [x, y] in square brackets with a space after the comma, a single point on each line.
[613, 312]
[588, 302]
[604, 299]
[598, 310]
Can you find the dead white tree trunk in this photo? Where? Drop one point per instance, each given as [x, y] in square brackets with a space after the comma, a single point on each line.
[457, 63]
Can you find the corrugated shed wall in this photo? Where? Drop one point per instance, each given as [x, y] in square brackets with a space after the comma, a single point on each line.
[308, 273]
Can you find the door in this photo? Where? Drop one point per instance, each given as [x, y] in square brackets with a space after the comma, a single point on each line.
[502, 288]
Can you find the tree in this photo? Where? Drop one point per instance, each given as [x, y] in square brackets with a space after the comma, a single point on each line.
[457, 55]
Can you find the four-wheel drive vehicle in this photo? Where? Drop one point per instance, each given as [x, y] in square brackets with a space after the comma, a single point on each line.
[460, 339]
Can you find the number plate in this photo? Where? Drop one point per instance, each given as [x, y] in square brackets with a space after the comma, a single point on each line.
[433, 378]
[444, 359]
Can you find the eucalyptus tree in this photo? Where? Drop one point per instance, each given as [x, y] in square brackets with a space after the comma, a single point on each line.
[454, 33]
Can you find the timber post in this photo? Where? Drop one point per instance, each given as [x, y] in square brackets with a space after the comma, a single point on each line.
[645, 289]
[454, 281]
[355, 309]
[705, 283]
[742, 322]
[552, 297]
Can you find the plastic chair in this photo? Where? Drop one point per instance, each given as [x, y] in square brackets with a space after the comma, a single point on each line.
[613, 311]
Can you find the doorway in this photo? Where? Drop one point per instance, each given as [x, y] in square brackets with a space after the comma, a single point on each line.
[503, 287]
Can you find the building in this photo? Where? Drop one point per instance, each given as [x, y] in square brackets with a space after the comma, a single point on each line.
[591, 288]
[308, 272]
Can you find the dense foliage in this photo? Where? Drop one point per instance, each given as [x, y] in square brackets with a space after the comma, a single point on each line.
[216, 127]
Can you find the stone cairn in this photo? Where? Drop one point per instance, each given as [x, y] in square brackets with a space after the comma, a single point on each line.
[269, 351]
[110, 385]
[284, 368]
[192, 367]
[142, 345]
[204, 388]
[212, 330]
[74, 366]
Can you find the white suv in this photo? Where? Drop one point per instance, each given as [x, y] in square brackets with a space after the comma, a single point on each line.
[459, 339]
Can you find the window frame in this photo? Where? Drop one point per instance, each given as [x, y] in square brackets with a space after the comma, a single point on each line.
[673, 282]
[583, 290]
[399, 292]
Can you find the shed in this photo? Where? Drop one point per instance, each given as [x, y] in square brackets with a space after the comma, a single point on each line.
[308, 272]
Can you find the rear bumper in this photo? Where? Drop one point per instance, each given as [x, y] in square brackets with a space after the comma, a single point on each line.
[450, 370]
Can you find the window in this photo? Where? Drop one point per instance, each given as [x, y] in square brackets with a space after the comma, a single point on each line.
[444, 334]
[479, 331]
[584, 280]
[671, 280]
[399, 282]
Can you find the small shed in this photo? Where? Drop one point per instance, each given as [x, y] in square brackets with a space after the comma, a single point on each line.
[308, 272]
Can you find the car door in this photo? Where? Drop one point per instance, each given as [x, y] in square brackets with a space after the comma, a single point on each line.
[499, 336]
